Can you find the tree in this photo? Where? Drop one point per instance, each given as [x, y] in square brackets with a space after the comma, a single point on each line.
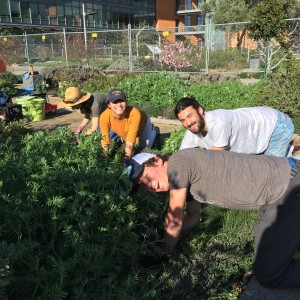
[268, 27]
[268, 20]
[234, 11]
[179, 56]
[10, 49]
[230, 11]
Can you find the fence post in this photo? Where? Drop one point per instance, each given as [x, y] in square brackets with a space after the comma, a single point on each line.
[65, 43]
[84, 33]
[26, 49]
[52, 49]
[208, 43]
[248, 58]
[266, 59]
[129, 48]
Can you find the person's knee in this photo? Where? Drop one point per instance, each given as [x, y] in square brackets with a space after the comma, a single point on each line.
[195, 216]
[266, 280]
[267, 275]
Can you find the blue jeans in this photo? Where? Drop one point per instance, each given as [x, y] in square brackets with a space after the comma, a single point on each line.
[279, 144]
[113, 136]
[148, 135]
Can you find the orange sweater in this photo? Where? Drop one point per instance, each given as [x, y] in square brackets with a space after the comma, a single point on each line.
[129, 128]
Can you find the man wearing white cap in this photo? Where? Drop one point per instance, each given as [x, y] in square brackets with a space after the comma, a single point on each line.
[235, 181]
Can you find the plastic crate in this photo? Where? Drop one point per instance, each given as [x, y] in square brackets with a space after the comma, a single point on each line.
[50, 108]
[11, 112]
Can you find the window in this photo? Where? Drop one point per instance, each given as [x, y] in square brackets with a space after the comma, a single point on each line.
[200, 19]
[15, 9]
[187, 20]
[4, 8]
[25, 10]
[43, 10]
[187, 4]
[34, 10]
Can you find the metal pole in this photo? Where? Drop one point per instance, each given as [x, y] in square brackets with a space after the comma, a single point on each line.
[52, 50]
[65, 43]
[26, 49]
[129, 48]
[248, 60]
[207, 45]
[84, 32]
[266, 59]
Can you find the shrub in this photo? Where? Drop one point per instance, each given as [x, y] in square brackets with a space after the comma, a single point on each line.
[226, 95]
[281, 91]
[155, 92]
[229, 59]
[69, 227]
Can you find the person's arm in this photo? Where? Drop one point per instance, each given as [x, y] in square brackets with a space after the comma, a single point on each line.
[95, 125]
[128, 149]
[219, 148]
[191, 140]
[104, 127]
[220, 134]
[174, 219]
[193, 215]
[135, 121]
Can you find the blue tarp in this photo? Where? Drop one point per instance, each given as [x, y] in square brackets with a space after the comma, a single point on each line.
[27, 74]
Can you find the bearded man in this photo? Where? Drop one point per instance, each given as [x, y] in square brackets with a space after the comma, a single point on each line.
[252, 130]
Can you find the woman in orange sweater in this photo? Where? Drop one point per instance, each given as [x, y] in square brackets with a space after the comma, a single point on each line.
[129, 123]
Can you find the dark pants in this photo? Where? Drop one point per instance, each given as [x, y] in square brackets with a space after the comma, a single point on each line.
[277, 238]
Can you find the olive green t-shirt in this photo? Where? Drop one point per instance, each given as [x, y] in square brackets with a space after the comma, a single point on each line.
[229, 179]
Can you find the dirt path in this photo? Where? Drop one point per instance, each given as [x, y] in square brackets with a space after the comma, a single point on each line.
[71, 119]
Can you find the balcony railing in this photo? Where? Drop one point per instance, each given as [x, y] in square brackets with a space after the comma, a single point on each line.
[188, 8]
[197, 29]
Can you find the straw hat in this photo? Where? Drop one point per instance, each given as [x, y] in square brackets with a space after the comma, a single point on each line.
[73, 97]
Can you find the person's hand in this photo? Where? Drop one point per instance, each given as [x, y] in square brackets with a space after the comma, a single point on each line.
[89, 131]
[79, 129]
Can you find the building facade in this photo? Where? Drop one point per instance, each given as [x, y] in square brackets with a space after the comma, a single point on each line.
[182, 18]
[58, 14]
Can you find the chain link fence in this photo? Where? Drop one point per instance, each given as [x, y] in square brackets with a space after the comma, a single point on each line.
[211, 48]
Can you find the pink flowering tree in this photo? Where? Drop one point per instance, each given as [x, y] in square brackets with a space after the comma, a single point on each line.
[178, 56]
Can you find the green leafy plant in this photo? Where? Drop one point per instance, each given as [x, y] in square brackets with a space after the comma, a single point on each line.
[226, 95]
[154, 92]
[281, 91]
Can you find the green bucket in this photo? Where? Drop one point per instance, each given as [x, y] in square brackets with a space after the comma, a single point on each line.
[36, 109]
[24, 102]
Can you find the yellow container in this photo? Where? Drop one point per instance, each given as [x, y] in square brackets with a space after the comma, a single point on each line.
[24, 101]
[37, 109]
[33, 108]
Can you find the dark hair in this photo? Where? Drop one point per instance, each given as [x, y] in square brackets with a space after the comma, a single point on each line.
[151, 162]
[183, 103]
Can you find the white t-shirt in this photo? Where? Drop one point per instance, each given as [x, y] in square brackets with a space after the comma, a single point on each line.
[243, 130]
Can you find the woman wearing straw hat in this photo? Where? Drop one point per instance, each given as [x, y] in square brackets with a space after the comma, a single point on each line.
[91, 105]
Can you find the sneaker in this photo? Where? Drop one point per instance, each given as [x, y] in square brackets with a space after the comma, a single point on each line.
[156, 129]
